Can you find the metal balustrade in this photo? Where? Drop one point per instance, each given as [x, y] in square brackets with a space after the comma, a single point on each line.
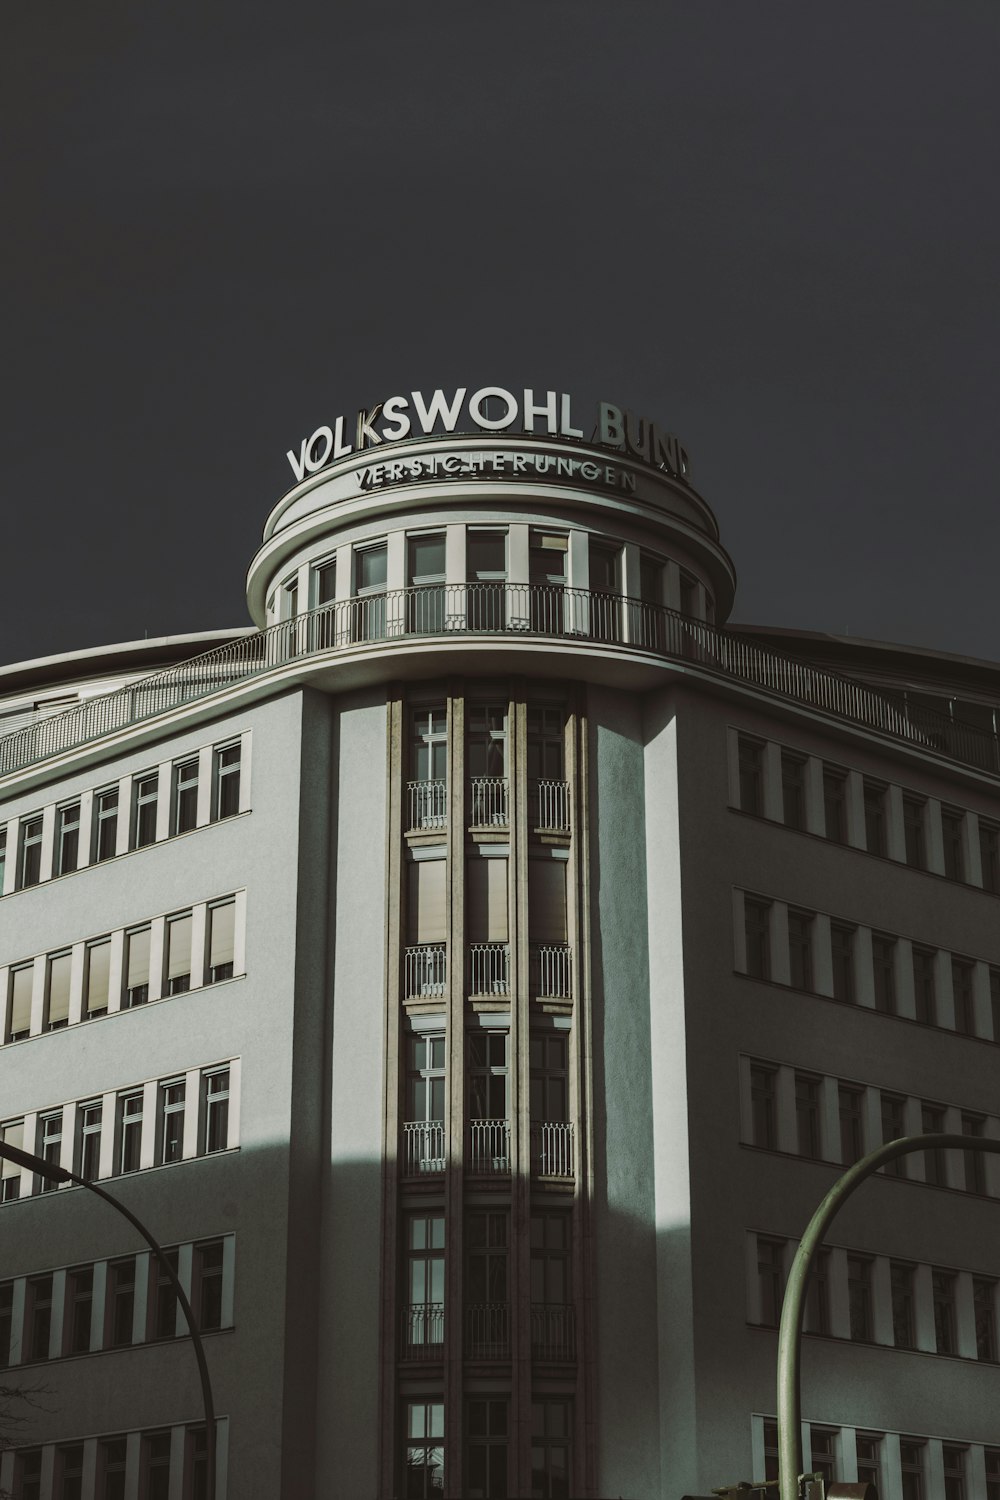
[489, 1147]
[423, 1147]
[550, 806]
[489, 968]
[425, 970]
[487, 1330]
[428, 804]
[551, 973]
[502, 610]
[552, 1149]
[488, 802]
[553, 1330]
[422, 1331]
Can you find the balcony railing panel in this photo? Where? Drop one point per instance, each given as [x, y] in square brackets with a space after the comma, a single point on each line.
[551, 806]
[489, 968]
[500, 609]
[422, 1331]
[423, 1147]
[488, 802]
[552, 1149]
[487, 1330]
[489, 1147]
[553, 1330]
[425, 970]
[551, 974]
[427, 803]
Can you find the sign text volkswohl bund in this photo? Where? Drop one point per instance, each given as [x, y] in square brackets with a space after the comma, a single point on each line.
[404, 416]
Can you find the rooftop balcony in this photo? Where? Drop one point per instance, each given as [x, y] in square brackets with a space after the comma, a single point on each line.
[531, 614]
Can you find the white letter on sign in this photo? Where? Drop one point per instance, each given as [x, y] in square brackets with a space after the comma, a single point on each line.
[531, 411]
[476, 408]
[428, 415]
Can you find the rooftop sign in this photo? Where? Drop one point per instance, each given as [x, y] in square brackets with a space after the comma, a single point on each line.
[547, 413]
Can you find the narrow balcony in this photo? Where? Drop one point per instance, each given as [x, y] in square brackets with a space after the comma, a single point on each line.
[553, 1331]
[425, 971]
[550, 806]
[551, 971]
[487, 1330]
[552, 1149]
[423, 1147]
[427, 805]
[422, 1331]
[489, 969]
[489, 1148]
[488, 802]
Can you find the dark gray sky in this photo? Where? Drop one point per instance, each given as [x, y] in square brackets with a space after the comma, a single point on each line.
[770, 226]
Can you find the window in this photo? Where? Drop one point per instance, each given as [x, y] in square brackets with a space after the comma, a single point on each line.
[136, 968]
[884, 973]
[425, 603]
[770, 1450]
[989, 854]
[79, 1307]
[206, 1292]
[817, 1308]
[924, 992]
[30, 862]
[793, 790]
[369, 586]
[807, 1103]
[751, 770]
[425, 1086]
[49, 1146]
[162, 1298]
[932, 1123]
[326, 582]
[111, 1454]
[67, 852]
[6, 1321]
[800, 930]
[57, 991]
[88, 1148]
[545, 743]
[488, 1075]
[486, 1239]
[486, 1449]
[37, 1317]
[903, 1325]
[850, 1102]
[550, 1281]
[196, 1458]
[757, 925]
[221, 941]
[216, 1135]
[185, 796]
[423, 1329]
[154, 1466]
[995, 1002]
[952, 828]
[429, 755]
[547, 576]
[3, 858]
[486, 747]
[19, 1007]
[835, 805]
[770, 1279]
[172, 1120]
[859, 1297]
[120, 1302]
[954, 1472]
[961, 984]
[105, 823]
[486, 569]
[992, 1474]
[129, 1131]
[869, 1451]
[984, 1303]
[763, 1106]
[28, 1474]
[226, 780]
[893, 1128]
[178, 947]
[551, 1440]
[842, 956]
[423, 1455]
[911, 1458]
[823, 1451]
[144, 811]
[874, 800]
[913, 832]
[97, 980]
[12, 1134]
[549, 1083]
[975, 1171]
[943, 1283]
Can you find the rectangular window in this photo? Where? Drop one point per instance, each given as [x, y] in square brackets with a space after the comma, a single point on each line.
[57, 991]
[79, 1307]
[429, 762]
[551, 1447]
[817, 1308]
[30, 861]
[952, 828]
[984, 1302]
[992, 1456]
[486, 570]
[924, 990]
[943, 1283]
[954, 1472]
[28, 1474]
[425, 1079]
[12, 1134]
[144, 811]
[184, 798]
[835, 805]
[423, 1451]
[369, 588]
[486, 1448]
[911, 1456]
[551, 1284]
[903, 1323]
[549, 1081]
[49, 1146]
[850, 1102]
[842, 954]
[961, 984]
[136, 968]
[105, 824]
[3, 859]
[989, 854]
[793, 790]
[6, 1321]
[546, 744]
[859, 1297]
[216, 1111]
[206, 1299]
[489, 1075]
[822, 1455]
[884, 973]
[763, 1106]
[975, 1170]
[757, 925]
[97, 980]
[425, 610]
[129, 1131]
[120, 1307]
[486, 745]
[874, 799]
[995, 1002]
[111, 1455]
[893, 1128]
[67, 852]
[770, 1451]
[179, 954]
[326, 582]
[423, 1326]
[69, 1472]
[196, 1458]
[154, 1466]
[221, 941]
[751, 770]
[38, 1317]
[932, 1123]
[162, 1311]
[171, 1120]
[800, 965]
[21, 985]
[226, 772]
[914, 809]
[88, 1146]
[869, 1452]
[807, 1104]
[770, 1279]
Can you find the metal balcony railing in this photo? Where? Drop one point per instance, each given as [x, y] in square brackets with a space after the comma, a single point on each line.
[425, 970]
[422, 1331]
[489, 968]
[427, 804]
[551, 973]
[488, 802]
[553, 1330]
[487, 1330]
[423, 1147]
[502, 610]
[489, 1148]
[552, 1149]
[551, 806]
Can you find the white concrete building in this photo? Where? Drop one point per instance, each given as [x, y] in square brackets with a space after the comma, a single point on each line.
[478, 970]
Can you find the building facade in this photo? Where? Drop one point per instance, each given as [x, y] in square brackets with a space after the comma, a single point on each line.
[476, 972]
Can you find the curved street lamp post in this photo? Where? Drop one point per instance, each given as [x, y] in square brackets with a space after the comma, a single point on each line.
[59, 1174]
